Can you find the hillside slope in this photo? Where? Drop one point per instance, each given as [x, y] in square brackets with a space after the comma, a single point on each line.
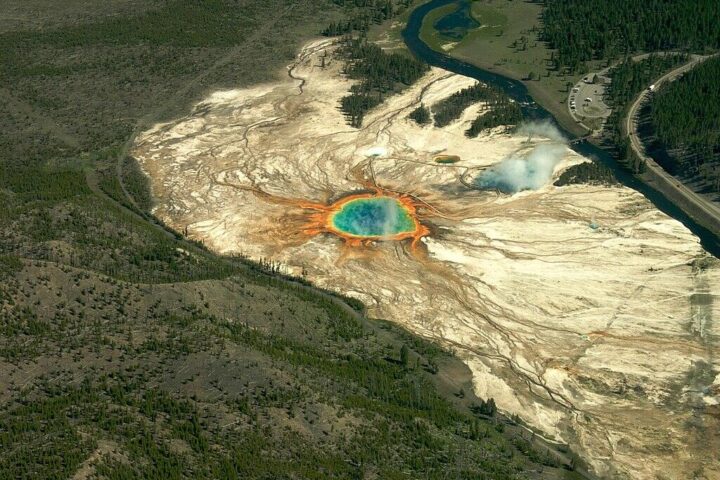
[128, 352]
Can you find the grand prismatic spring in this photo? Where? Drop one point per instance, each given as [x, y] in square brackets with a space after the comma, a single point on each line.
[366, 217]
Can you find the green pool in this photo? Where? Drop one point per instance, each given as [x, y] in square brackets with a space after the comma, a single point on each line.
[373, 217]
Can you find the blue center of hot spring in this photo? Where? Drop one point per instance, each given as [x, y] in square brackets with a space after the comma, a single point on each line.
[373, 217]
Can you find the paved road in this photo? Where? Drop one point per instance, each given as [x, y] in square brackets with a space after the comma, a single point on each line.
[667, 181]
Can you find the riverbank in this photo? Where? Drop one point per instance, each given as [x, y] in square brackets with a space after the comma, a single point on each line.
[491, 53]
[505, 42]
[533, 110]
[538, 91]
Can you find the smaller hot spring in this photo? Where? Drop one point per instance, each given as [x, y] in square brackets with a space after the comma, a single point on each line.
[373, 217]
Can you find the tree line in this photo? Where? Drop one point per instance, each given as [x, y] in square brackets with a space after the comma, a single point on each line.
[629, 78]
[380, 74]
[364, 13]
[686, 120]
[583, 30]
[504, 113]
[421, 115]
[501, 109]
[450, 108]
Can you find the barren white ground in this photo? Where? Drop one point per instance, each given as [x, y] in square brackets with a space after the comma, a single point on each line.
[600, 337]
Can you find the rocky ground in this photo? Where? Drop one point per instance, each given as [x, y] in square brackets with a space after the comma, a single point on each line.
[582, 309]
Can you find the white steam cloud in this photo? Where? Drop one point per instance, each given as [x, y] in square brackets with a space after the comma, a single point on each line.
[545, 129]
[531, 170]
[390, 220]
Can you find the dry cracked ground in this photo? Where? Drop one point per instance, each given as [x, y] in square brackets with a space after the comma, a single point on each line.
[582, 309]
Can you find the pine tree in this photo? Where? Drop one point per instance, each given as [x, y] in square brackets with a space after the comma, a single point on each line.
[404, 354]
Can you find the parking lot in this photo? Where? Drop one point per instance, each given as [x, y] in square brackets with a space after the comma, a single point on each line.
[586, 99]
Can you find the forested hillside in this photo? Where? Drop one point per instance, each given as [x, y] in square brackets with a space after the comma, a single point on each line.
[629, 78]
[583, 30]
[247, 377]
[686, 120]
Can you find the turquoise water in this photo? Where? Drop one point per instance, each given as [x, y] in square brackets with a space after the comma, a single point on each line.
[373, 217]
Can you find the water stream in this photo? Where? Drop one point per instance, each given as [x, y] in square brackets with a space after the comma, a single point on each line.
[532, 111]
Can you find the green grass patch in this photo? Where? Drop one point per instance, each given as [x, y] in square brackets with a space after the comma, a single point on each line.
[508, 43]
[492, 21]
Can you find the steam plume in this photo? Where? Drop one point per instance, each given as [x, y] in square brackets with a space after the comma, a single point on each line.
[545, 129]
[390, 220]
[530, 171]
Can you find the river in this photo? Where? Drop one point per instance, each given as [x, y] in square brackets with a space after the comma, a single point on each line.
[533, 111]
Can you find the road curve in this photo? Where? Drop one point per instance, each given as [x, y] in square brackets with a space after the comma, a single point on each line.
[701, 209]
